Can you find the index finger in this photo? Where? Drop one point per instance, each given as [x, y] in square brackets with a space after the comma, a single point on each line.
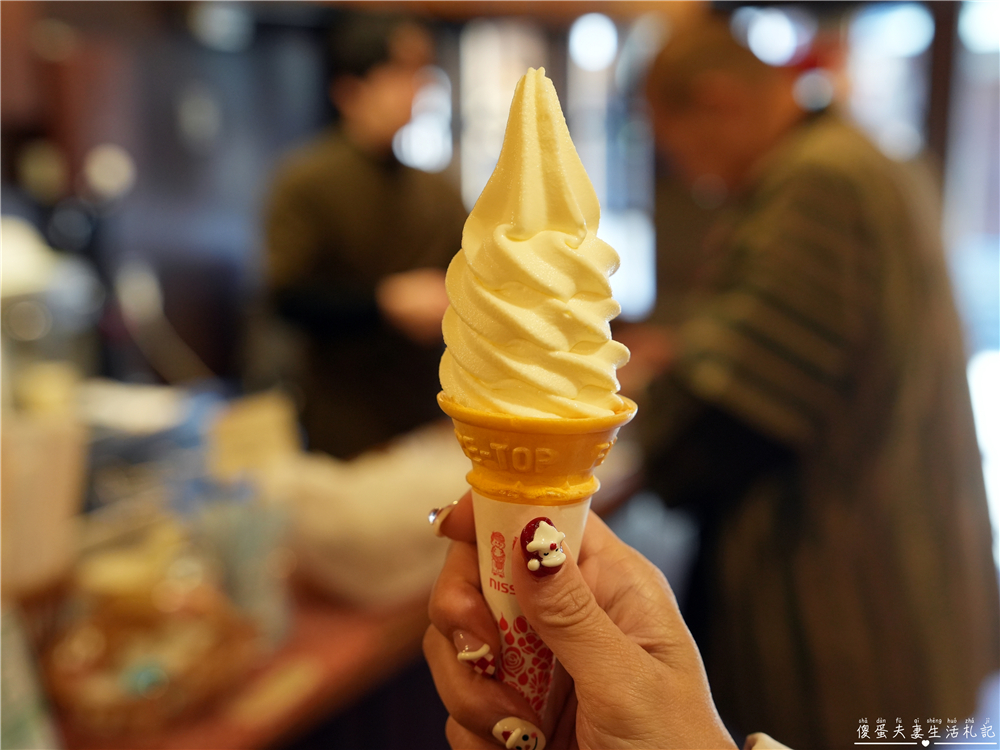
[455, 521]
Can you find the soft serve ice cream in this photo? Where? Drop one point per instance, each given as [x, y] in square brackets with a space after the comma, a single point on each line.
[529, 375]
[527, 332]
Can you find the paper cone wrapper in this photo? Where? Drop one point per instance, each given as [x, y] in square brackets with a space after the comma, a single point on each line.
[524, 468]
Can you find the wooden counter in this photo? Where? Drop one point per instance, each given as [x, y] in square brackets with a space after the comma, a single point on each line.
[334, 655]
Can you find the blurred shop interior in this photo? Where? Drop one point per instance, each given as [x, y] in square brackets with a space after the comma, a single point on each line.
[178, 566]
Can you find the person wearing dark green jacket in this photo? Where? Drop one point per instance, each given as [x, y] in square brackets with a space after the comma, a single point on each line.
[357, 244]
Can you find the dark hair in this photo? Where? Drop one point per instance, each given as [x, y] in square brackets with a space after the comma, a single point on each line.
[358, 42]
[697, 48]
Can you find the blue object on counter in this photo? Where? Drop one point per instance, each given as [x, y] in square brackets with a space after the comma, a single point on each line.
[124, 465]
[145, 679]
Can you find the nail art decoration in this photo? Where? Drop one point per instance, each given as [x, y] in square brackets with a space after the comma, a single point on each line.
[476, 653]
[437, 515]
[518, 734]
[541, 543]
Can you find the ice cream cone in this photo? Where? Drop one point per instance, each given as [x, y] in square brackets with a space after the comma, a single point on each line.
[524, 468]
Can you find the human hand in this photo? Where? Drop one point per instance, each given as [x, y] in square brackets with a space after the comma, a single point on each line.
[414, 302]
[614, 626]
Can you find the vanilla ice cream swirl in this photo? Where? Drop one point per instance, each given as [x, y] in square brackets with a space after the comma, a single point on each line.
[527, 330]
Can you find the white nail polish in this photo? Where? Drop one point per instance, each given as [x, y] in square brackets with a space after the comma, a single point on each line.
[518, 734]
[476, 653]
[437, 515]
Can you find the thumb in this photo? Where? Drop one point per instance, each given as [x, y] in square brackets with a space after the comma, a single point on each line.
[562, 609]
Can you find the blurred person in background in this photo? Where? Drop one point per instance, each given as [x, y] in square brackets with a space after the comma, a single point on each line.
[357, 244]
[812, 411]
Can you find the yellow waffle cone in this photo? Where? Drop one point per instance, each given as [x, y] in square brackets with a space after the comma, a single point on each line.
[534, 460]
[525, 468]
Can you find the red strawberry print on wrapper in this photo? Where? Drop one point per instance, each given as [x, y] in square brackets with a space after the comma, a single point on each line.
[525, 662]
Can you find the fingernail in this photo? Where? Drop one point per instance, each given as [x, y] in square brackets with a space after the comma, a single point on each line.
[475, 652]
[437, 515]
[542, 546]
[518, 734]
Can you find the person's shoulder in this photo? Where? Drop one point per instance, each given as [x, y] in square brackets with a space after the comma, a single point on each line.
[312, 160]
[434, 183]
[835, 148]
[832, 161]
[437, 190]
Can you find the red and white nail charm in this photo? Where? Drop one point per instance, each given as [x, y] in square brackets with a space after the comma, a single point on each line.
[541, 543]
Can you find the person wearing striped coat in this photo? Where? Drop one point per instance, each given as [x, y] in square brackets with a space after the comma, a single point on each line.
[815, 415]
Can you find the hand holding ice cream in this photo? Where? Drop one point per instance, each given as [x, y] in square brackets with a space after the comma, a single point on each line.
[529, 375]
[612, 621]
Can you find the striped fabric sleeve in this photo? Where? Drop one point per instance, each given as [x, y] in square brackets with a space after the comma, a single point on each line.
[774, 345]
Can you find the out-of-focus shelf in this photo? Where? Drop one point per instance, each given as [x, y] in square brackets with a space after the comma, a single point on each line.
[334, 655]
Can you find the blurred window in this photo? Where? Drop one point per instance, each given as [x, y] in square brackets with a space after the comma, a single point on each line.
[972, 220]
[614, 141]
[593, 42]
[223, 26]
[979, 26]
[605, 119]
[425, 141]
[777, 36]
[888, 64]
[493, 55]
